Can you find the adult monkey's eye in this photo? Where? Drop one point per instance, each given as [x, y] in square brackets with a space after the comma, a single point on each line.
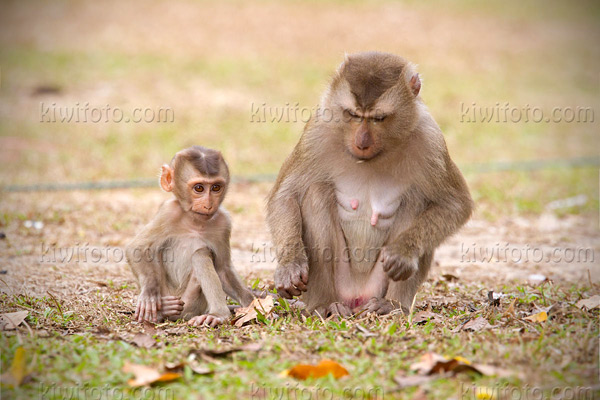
[379, 118]
[216, 187]
[352, 114]
[198, 188]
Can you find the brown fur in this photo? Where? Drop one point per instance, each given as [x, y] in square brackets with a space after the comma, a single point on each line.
[407, 163]
[187, 266]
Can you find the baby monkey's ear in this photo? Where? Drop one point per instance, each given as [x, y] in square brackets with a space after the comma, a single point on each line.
[166, 178]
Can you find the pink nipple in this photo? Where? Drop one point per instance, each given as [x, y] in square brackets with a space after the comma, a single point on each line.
[374, 218]
[354, 204]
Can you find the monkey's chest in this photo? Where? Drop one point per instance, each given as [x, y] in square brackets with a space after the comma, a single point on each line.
[366, 212]
[372, 205]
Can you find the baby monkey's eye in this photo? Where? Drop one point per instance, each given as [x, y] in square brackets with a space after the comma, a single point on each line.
[216, 188]
[198, 188]
[379, 118]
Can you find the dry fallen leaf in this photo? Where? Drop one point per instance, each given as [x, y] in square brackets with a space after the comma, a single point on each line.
[450, 277]
[511, 308]
[476, 325]
[423, 316]
[590, 303]
[248, 347]
[10, 321]
[192, 364]
[432, 364]
[143, 340]
[178, 330]
[539, 317]
[245, 314]
[149, 328]
[17, 372]
[411, 380]
[144, 375]
[324, 368]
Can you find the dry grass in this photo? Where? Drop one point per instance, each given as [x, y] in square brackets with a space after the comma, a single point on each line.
[210, 62]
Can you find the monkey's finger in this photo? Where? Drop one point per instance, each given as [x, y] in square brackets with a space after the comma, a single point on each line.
[145, 313]
[153, 310]
[293, 291]
[304, 274]
[283, 293]
[387, 264]
[141, 311]
[300, 285]
[137, 311]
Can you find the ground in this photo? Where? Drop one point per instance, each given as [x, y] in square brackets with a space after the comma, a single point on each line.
[532, 241]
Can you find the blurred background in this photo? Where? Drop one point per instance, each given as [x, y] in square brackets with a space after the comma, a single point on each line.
[206, 67]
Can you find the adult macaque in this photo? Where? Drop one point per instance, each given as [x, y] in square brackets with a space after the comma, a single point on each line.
[367, 194]
[182, 258]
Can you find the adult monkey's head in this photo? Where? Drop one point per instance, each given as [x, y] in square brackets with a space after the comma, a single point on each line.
[373, 100]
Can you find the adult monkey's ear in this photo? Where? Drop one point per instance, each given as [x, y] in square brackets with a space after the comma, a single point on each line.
[415, 84]
[166, 178]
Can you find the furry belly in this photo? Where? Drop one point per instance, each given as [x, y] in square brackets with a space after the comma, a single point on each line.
[363, 244]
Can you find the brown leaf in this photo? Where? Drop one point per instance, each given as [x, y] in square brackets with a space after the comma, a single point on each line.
[324, 368]
[476, 325]
[248, 347]
[149, 328]
[511, 308]
[450, 277]
[178, 330]
[246, 314]
[144, 375]
[143, 340]
[432, 364]
[10, 321]
[589, 303]
[423, 316]
[192, 364]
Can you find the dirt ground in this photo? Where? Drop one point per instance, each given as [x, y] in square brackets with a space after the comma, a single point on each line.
[80, 244]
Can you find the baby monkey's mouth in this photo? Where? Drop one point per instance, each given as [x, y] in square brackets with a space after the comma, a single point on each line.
[203, 213]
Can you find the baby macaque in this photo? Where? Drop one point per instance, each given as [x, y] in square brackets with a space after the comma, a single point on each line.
[182, 258]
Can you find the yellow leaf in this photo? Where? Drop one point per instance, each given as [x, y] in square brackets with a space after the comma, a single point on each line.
[463, 360]
[324, 368]
[17, 372]
[144, 375]
[539, 317]
[511, 308]
[485, 393]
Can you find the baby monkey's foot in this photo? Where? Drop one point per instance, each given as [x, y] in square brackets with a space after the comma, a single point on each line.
[206, 320]
[171, 306]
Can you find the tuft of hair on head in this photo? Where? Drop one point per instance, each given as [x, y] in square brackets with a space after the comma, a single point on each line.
[208, 162]
[369, 75]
